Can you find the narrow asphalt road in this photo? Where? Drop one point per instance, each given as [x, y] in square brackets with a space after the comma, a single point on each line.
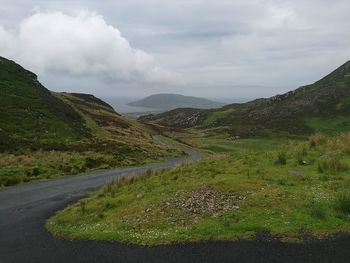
[23, 237]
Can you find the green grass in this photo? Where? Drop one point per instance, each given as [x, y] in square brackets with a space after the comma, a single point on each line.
[141, 211]
[330, 125]
[225, 145]
[216, 115]
[34, 166]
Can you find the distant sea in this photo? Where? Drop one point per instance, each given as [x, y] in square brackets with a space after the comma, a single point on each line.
[120, 105]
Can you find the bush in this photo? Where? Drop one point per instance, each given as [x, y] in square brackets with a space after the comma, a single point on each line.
[91, 162]
[36, 171]
[342, 204]
[281, 159]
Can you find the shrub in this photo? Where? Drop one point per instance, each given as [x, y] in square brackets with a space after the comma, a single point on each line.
[91, 162]
[342, 204]
[281, 158]
[36, 171]
[317, 139]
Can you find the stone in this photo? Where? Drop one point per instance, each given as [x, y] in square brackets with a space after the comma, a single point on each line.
[296, 173]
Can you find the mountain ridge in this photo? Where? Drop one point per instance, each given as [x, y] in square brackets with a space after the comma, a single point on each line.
[294, 112]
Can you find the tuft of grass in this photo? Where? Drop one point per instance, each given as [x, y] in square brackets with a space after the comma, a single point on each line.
[342, 204]
[317, 209]
[333, 165]
[281, 158]
[82, 205]
[301, 154]
[317, 140]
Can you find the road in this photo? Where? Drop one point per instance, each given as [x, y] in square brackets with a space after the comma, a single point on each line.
[23, 237]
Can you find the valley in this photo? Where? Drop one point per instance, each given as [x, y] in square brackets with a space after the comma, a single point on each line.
[174, 131]
[276, 168]
[279, 180]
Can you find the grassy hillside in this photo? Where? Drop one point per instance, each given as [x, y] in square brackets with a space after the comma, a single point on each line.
[289, 190]
[30, 114]
[322, 106]
[45, 134]
[173, 101]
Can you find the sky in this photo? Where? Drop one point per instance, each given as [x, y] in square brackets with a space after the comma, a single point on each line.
[229, 49]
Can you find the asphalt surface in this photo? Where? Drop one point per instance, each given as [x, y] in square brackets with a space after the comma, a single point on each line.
[23, 237]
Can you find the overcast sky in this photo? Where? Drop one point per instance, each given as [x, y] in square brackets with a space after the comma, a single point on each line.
[222, 49]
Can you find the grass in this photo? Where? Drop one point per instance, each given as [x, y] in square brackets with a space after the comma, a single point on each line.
[223, 145]
[217, 115]
[342, 204]
[40, 165]
[330, 125]
[141, 210]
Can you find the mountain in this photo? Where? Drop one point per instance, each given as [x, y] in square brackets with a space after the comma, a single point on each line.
[323, 106]
[32, 115]
[62, 133]
[173, 101]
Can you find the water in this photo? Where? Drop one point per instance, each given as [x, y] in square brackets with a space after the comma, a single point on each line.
[120, 105]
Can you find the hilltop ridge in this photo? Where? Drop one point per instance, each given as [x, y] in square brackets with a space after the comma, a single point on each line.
[324, 105]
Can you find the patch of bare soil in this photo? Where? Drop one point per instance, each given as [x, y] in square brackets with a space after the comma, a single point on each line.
[206, 201]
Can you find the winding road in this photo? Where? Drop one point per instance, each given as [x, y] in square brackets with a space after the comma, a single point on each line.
[23, 237]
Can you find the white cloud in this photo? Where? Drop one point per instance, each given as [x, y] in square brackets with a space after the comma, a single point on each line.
[79, 45]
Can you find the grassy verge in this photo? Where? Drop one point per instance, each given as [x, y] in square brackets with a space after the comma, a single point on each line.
[112, 141]
[29, 166]
[289, 190]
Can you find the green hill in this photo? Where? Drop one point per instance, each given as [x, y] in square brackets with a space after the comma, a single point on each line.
[31, 113]
[173, 101]
[322, 106]
[46, 134]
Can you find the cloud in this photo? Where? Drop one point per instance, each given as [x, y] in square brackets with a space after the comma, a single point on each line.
[80, 45]
[216, 46]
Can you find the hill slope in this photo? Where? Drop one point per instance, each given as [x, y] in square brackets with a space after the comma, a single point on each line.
[44, 134]
[29, 112]
[322, 106]
[173, 101]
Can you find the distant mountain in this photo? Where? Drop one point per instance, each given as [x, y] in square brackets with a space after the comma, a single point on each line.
[323, 106]
[173, 101]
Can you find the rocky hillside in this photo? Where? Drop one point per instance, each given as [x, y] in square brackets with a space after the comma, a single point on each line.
[322, 106]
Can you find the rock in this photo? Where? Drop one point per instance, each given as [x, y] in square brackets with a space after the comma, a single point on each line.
[303, 162]
[296, 173]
